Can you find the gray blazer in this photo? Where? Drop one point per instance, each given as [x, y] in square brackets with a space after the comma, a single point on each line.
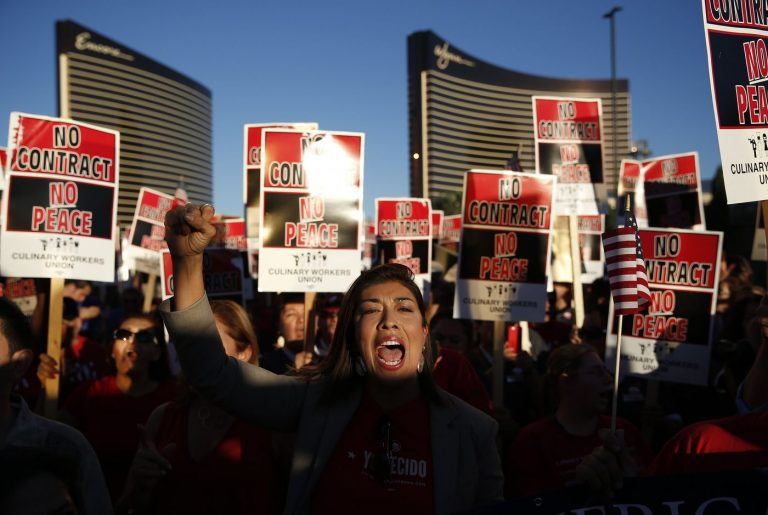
[466, 464]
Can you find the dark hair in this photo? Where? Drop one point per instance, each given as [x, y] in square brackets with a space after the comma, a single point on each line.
[15, 326]
[338, 367]
[466, 328]
[23, 463]
[70, 310]
[238, 325]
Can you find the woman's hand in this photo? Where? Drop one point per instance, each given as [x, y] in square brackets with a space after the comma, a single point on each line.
[188, 230]
[603, 471]
[48, 368]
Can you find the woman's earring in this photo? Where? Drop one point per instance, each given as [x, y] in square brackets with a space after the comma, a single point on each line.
[360, 368]
[280, 343]
[420, 366]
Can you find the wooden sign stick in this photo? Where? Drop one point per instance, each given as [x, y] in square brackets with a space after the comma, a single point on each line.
[149, 292]
[53, 349]
[309, 321]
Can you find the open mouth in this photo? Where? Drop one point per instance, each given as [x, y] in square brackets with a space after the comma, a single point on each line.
[391, 354]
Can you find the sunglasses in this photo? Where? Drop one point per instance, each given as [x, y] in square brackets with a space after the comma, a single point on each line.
[380, 466]
[143, 336]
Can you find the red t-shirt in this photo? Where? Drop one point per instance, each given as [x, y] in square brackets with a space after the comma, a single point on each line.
[454, 374]
[108, 419]
[348, 484]
[239, 476]
[733, 443]
[544, 455]
[86, 360]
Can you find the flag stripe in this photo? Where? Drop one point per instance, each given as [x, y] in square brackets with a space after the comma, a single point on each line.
[627, 275]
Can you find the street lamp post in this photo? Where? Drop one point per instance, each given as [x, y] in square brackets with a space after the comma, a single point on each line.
[611, 15]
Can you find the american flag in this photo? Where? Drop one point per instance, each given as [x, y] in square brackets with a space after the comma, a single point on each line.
[626, 268]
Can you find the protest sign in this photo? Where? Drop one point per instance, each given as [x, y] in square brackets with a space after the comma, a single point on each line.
[252, 180]
[146, 238]
[737, 38]
[505, 246]
[630, 182]
[437, 224]
[60, 202]
[671, 340]
[230, 234]
[222, 274]
[728, 492]
[311, 204]
[568, 141]
[404, 233]
[758, 244]
[451, 232]
[673, 191]
[3, 160]
[590, 227]
[369, 245]
[23, 293]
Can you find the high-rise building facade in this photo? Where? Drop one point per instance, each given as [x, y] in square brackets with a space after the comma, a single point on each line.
[164, 117]
[465, 113]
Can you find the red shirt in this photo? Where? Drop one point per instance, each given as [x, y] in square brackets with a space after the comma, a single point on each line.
[86, 360]
[108, 419]
[348, 485]
[544, 455]
[454, 374]
[239, 476]
[733, 443]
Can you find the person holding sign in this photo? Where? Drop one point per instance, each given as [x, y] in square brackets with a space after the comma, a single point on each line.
[108, 409]
[575, 445]
[372, 428]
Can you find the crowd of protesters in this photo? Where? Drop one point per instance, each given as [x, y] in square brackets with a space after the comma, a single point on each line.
[380, 400]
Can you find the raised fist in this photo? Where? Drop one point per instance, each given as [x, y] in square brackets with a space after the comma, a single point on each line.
[188, 230]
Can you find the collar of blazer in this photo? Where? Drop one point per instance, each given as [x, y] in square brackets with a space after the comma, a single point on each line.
[444, 434]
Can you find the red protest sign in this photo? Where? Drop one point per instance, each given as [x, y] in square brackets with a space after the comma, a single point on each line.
[736, 37]
[437, 224]
[369, 245]
[404, 231]
[673, 191]
[252, 177]
[61, 199]
[311, 205]
[222, 274]
[230, 233]
[3, 159]
[569, 145]
[147, 235]
[671, 340]
[505, 246]
[451, 232]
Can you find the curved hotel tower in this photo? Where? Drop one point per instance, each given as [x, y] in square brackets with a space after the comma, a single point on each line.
[164, 117]
[465, 113]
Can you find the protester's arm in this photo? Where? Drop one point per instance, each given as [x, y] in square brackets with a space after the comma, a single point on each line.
[247, 391]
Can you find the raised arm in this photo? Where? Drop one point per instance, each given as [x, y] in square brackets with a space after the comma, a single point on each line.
[247, 391]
